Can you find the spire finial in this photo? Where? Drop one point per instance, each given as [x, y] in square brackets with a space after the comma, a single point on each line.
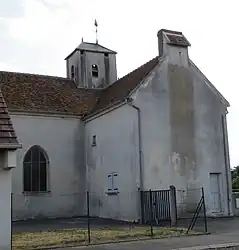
[82, 40]
[96, 31]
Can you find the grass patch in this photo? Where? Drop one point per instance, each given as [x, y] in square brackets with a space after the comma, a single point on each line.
[73, 237]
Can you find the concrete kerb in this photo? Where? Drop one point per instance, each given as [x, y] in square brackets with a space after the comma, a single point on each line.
[119, 242]
[229, 246]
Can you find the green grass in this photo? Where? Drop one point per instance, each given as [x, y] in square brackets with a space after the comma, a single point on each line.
[73, 237]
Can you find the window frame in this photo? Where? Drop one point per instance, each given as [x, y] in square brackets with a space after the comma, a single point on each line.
[114, 190]
[38, 192]
[72, 72]
[93, 143]
[95, 70]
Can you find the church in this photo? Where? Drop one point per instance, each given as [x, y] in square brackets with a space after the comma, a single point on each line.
[162, 124]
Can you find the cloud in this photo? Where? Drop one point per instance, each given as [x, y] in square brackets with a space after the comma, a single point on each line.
[53, 4]
[36, 36]
[11, 8]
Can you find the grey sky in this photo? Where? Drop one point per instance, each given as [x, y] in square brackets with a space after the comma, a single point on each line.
[36, 36]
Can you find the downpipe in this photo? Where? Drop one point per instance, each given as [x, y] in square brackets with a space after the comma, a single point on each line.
[227, 163]
[140, 156]
[140, 144]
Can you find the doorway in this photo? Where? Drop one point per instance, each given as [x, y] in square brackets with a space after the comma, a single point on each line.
[215, 189]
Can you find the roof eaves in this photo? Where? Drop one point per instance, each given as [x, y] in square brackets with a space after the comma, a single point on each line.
[104, 110]
[111, 51]
[43, 112]
[10, 145]
[76, 49]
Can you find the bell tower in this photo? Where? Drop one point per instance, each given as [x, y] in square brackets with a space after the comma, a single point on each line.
[91, 65]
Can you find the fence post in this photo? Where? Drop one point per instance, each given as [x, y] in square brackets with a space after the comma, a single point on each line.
[142, 205]
[88, 214]
[151, 212]
[11, 220]
[204, 210]
[173, 205]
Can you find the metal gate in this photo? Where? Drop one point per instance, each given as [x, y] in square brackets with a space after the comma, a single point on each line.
[155, 206]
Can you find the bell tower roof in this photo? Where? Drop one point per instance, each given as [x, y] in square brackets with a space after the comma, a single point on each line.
[91, 47]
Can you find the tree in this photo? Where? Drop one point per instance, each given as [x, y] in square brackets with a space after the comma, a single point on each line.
[235, 177]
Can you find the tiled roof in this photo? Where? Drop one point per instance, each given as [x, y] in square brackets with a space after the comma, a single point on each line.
[37, 93]
[94, 47]
[91, 47]
[124, 86]
[178, 40]
[8, 138]
[48, 94]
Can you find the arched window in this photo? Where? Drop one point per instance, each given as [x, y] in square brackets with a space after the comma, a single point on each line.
[35, 166]
[72, 72]
[95, 71]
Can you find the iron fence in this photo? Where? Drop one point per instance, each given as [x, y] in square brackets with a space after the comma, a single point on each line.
[93, 217]
[155, 206]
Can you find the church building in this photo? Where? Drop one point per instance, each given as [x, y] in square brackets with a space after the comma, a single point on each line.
[162, 124]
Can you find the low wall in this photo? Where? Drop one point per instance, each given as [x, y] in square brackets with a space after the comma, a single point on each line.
[228, 246]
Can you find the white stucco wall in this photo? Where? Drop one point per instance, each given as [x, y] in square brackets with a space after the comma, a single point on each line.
[62, 139]
[117, 151]
[5, 205]
[209, 141]
[153, 101]
[162, 165]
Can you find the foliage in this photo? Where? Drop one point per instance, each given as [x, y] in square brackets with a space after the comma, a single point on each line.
[235, 177]
[74, 237]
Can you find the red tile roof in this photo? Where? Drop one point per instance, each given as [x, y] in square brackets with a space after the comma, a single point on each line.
[121, 89]
[8, 138]
[38, 93]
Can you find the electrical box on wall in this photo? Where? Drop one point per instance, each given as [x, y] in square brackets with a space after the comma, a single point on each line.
[8, 159]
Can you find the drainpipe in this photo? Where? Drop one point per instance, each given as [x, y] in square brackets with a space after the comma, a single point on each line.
[227, 162]
[140, 144]
[140, 158]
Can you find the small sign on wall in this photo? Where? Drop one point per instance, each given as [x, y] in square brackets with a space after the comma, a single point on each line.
[237, 202]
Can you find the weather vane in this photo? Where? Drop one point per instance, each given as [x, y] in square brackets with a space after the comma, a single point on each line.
[96, 31]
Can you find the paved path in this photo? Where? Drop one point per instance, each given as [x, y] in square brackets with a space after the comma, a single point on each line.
[222, 231]
[167, 244]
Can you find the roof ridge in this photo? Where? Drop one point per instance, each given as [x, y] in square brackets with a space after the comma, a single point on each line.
[37, 75]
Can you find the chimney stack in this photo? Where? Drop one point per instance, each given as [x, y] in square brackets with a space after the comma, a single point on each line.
[171, 43]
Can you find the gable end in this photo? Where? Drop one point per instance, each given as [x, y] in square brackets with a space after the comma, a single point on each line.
[210, 85]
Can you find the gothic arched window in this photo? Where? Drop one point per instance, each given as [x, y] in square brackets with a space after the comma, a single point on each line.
[35, 165]
[72, 72]
[95, 71]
